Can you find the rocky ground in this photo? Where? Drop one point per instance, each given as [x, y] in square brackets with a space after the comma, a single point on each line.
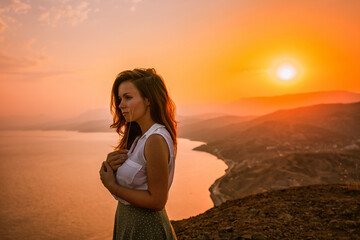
[307, 212]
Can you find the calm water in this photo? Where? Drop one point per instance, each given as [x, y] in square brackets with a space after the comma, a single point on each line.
[50, 186]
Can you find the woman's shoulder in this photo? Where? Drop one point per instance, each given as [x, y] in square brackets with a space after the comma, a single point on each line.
[161, 137]
[158, 129]
[155, 139]
[161, 130]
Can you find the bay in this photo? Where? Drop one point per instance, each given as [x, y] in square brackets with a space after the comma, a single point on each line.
[50, 186]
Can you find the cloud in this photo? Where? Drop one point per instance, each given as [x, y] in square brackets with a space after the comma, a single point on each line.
[28, 45]
[27, 68]
[3, 25]
[8, 7]
[16, 6]
[66, 12]
[13, 64]
[134, 4]
[33, 75]
[22, 68]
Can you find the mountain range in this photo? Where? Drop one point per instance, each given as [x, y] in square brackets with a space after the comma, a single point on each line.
[316, 144]
[264, 105]
[99, 120]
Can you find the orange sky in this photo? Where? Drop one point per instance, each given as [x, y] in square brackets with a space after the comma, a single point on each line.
[60, 57]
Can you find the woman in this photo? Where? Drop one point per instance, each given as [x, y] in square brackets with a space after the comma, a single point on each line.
[140, 177]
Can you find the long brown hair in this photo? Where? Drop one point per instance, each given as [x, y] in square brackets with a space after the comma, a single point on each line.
[162, 108]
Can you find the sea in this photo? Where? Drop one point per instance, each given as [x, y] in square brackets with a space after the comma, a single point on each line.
[50, 186]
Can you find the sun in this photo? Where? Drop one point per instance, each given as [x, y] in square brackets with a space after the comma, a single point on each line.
[285, 71]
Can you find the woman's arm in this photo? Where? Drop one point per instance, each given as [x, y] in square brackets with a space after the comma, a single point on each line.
[157, 155]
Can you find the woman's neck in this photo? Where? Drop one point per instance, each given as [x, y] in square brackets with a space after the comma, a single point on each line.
[145, 124]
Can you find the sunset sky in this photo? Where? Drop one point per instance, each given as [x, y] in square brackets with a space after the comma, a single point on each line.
[60, 57]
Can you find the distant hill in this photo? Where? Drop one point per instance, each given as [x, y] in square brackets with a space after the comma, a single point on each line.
[316, 144]
[264, 105]
[98, 120]
[309, 212]
[342, 118]
[195, 128]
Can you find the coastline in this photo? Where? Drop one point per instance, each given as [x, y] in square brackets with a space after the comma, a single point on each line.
[216, 194]
[296, 168]
[195, 172]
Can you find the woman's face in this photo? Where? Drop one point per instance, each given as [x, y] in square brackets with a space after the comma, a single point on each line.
[133, 107]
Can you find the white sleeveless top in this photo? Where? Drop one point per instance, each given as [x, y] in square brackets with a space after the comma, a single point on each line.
[132, 173]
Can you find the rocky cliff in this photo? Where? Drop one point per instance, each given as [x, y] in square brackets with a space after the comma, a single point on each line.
[306, 212]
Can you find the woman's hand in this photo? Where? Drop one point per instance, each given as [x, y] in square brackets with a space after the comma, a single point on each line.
[107, 175]
[117, 158]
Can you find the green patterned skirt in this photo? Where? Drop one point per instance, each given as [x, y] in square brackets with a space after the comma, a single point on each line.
[132, 223]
